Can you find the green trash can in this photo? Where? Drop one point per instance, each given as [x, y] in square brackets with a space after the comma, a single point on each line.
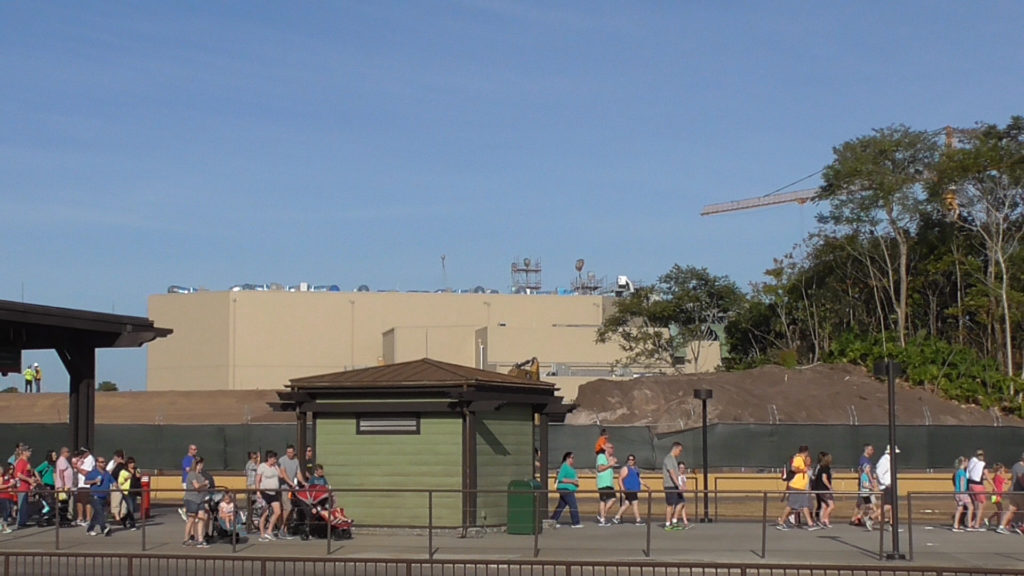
[523, 506]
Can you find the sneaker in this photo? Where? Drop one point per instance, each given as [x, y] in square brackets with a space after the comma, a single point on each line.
[676, 526]
[202, 544]
[687, 526]
[668, 527]
[969, 529]
[186, 543]
[133, 528]
[106, 531]
[285, 536]
[784, 527]
[603, 522]
[868, 524]
[955, 529]
[92, 532]
[616, 520]
[640, 523]
[1002, 530]
[263, 538]
[7, 530]
[813, 527]
[184, 515]
[1018, 530]
[577, 525]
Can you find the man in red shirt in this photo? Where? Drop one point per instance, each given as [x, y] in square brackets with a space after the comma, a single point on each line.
[26, 479]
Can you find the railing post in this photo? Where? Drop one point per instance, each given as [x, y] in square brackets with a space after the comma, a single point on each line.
[142, 516]
[56, 524]
[764, 525]
[536, 523]
[647, 552]
[881, 529]
[716, 498]
[430, 524]
[910, 526]
[330, 529]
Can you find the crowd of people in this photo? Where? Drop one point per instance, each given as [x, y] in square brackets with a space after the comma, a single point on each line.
[72, 488]
[809, 502]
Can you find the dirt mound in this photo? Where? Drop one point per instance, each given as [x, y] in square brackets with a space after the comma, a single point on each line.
[198, 407]
[820, 394]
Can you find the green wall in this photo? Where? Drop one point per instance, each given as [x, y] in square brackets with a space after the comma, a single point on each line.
[430, 460]
[504, 452]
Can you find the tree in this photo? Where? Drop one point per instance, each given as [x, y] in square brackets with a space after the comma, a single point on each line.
[10, 390]
[875, 188]
[660, 323]
[987, 175]
[106, 386]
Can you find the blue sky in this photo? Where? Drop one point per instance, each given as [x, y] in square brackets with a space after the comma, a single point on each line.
[212, 143]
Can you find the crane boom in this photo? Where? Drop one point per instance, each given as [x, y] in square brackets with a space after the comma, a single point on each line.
[798, 196]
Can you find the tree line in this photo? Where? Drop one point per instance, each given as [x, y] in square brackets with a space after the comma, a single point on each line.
[916, 256]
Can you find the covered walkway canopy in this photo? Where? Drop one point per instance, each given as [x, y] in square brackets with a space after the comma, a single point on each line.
[74, 335]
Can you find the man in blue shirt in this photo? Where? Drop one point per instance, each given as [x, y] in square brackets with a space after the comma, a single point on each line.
[862, 463]
[100, 483]
[186, 465]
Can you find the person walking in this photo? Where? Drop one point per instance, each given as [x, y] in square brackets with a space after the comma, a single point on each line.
[1015, 499]
[64, 484]
[268, 477]
[46, 472]
[291, 474]
[196, 489]
[605, 465]
[309, 463]
[83, 495]
[797, 495]
[883, 471]
[670, 484]
[567, 483]
[30, 378]
[186, 467]
[821, 483]
[26, 480]
[998, 486]
[964, 505]
[100, 484]
[629, 486]
[864, 462]
[129, 481]
[114, 466]
[37, 377]
[977, 475]
[7, 498]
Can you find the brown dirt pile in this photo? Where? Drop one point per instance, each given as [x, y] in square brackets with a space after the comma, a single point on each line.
[819, 394]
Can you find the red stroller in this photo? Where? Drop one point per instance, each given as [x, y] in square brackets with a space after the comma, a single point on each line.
[316, 514]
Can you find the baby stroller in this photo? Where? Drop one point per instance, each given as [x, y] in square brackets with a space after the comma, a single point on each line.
[218, 527]
[315, 514]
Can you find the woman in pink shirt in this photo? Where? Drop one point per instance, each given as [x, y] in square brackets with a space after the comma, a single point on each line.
[64, 483]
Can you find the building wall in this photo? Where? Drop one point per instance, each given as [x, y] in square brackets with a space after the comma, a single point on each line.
[431, 459]
[504, 452]
[261, 340]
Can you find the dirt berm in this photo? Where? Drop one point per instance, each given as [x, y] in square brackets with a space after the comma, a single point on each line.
[819, 394]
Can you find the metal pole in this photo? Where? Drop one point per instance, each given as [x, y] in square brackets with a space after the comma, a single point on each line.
[647, 552]
[56, 514]
[430, 524]
[330, 529]
[895, 555]
[910, 527]
[764, 525]
[536, 523]
[704, 454]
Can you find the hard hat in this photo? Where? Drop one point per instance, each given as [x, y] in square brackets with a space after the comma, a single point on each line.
[35, 365]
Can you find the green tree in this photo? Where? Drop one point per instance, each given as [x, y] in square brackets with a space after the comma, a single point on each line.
[875, 189]
[9, 390]
[666, 323]
[106, 386]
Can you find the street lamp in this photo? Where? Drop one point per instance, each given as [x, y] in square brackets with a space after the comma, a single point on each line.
[891, 370]
[704, 394]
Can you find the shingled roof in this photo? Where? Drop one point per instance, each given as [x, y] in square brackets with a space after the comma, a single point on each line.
[425, 372]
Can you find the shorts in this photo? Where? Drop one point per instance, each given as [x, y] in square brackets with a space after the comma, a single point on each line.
[606, 494]
[286, 501]
[887, 496]
[674, 497]
[962, 499]
[83, 495]
[868, 500]
[977, 492]
[270, 497]
[799, 500]
[630, 496]
[825, 498]
[1015, 499]
[192, 507]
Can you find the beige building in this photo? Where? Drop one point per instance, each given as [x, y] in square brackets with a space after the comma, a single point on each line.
[262, 339]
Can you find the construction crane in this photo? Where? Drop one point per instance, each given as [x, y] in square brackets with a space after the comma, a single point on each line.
[798, 196]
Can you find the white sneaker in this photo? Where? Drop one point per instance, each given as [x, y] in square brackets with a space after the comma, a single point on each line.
[184, 515]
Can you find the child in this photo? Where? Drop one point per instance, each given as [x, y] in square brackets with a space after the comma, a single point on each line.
[962, 498]
[867, 499]
[999, 483]
[602, 439]
[681, 510]
[227, 515]
[7, 497]
[318, 478]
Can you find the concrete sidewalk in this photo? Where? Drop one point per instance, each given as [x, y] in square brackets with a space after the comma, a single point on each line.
[728, 542]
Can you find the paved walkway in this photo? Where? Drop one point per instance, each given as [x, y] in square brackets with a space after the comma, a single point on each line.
[732, 542]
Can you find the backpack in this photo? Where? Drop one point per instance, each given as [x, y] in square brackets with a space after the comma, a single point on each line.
[788, 473]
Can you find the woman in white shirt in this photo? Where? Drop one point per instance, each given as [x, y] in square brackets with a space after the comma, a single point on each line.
[268, 480]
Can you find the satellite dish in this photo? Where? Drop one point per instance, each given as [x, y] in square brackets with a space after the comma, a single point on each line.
[526, 262]
[363, 288]
[478, 290]
[579, 265]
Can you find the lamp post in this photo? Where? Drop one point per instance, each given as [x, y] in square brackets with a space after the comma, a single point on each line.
[891, 370]
[704, 394]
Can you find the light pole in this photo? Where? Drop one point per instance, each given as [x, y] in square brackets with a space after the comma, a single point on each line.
[891, 370]
[704, 394]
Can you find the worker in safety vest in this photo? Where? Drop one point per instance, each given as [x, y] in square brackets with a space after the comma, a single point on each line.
[38, 377]
[30, 377]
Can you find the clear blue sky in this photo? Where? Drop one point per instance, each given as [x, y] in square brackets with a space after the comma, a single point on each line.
[212, 143]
